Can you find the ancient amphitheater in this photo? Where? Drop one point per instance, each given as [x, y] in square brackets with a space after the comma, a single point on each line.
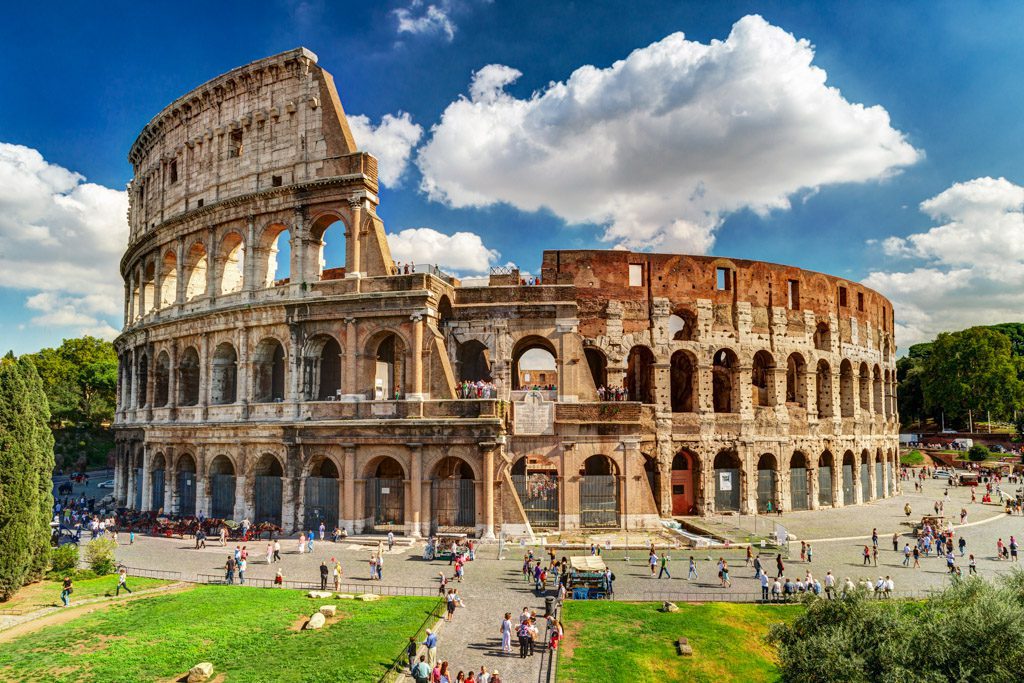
[265, 375]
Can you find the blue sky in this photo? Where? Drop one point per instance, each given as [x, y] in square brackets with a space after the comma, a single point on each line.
[79, 82]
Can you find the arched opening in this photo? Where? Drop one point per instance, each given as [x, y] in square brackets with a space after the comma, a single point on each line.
[188, 377]
[186, 485]
[268, 367]
[534, 364]
[232, 263]
[825, 464]
[321, 363]
[453, 497]
[385, 495]
[599, 493]
[684, 491]
[767, 483]
[727, 482]
[640, 375]
[195, 272]
[162, 383]
[723, 379]
[683, 381]
[157, 471]
[823, 387]
[267, 489]
[149, 287]
[598, 364]
[799, 494]
[682, 326]
[823, 337]
[796, 380]
[328, 240]
[865, 389]
[879, 475]
[169, 280]
[274, 257]
[537, 488]
[224, 378]
[879, 408]
[865, 475]
[762, 379]
[389, 355]
[321, 495]
[849, 465]
[222, 488]
[474, 361]
[143, 375]
[846, 405]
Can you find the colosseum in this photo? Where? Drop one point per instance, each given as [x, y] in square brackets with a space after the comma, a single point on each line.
[276, 364]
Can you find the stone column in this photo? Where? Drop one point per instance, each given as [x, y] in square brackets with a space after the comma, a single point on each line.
[415, 488]
[348, 500]
[488, 450]
[353, 267]
[350, 378]
[417, 359]
[147, 482]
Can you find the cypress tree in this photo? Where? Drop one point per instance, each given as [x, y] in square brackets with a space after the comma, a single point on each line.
[19, 487]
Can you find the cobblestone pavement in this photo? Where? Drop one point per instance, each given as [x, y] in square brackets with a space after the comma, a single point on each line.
[494, 586]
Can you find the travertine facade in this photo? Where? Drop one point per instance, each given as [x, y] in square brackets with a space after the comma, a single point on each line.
[335, 393]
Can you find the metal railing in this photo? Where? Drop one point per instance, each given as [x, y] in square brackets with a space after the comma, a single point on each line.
[401, 661]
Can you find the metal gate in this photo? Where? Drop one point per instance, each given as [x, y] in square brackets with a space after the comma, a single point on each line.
[385, 502]
[848, 491]
[727, 490]
[187, 494]
[321, 503]
[865, 481]
[538, 494]
[599, 501]
[798, 488]
[766, 483]
[222, 497]
[879, 481]
[824, 486]
[157, 501]
[268, 500]
[137, 503]
[453, 502]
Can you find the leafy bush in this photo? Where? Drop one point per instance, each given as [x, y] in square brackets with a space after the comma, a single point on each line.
[64, 560]
[100, 555]
[977, 453]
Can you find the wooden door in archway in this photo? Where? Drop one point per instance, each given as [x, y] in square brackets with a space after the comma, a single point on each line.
[683, 497]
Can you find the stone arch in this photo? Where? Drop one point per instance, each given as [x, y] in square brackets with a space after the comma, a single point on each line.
[385, 373]
[321, 368]
[682, 325]
[800, 495]
[523, 376]
[796, 380]
[453, 495]
[162, 377]
[196, 264]
[846, 399]
[231, 263]
[823, 337]
[474, 360]
[823, 388]
[185, 484]
[826, 475]
[684, 382]
[169, 279]
[864, 381]
[224, 375]
[599, 492]
[269, 366]
[728, 481]
[273, 256]
[685, 475]
[762, 379]
[328, 233]
[640, 375]
[724, 381]
[221, 482]
[767, 482]
[188, 377]
[597, 362]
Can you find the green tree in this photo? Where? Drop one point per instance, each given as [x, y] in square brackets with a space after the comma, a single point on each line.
[971, 371]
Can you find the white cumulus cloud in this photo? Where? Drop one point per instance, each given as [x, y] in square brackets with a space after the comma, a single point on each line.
[661, 145]
[968, 270]
[462, 252]
[391, 141]
[61, 239]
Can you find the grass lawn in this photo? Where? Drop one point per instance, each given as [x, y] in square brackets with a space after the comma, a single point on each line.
[631, 642]
[47, 593]
[248, 634]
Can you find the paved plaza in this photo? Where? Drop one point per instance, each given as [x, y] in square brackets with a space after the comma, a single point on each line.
[494, 585]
